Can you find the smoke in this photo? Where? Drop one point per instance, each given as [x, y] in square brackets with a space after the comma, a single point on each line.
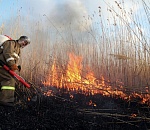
[75, 16]
[62, 13]
[68, 13]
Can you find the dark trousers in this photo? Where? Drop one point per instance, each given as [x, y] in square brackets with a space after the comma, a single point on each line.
[7, 83]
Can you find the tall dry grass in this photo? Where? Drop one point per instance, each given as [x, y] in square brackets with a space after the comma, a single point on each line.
[119, 51]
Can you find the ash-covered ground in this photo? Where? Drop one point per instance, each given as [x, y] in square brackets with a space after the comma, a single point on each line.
[76, 112]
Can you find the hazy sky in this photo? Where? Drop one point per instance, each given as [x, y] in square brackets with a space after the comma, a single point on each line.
[62, 13]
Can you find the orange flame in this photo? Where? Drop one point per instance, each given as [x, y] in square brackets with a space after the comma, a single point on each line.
[74, 68]
[73, 79]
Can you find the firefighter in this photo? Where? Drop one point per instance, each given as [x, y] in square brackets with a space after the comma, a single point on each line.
[10, 53]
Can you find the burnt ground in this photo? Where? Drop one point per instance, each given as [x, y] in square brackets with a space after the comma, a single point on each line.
[60, 112]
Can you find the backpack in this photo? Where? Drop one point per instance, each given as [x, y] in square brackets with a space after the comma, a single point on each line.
[3, 38]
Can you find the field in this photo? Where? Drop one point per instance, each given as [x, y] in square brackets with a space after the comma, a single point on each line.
[102, 61]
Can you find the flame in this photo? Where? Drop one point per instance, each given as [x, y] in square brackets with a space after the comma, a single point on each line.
[52, 76]
[90, 103]
[74, 68]
[28, 99]
[133, 115]
[73, 79]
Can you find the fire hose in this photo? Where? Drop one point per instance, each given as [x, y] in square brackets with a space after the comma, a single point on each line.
[20, 79]
[29, 91]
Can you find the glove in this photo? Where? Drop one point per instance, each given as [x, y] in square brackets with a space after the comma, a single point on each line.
[14, 67]
[19, 68]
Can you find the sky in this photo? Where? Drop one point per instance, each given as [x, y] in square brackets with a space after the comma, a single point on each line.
[62, 14]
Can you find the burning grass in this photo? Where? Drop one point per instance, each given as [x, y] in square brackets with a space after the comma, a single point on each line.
[75, 80]
[116, 47]
[97, 79]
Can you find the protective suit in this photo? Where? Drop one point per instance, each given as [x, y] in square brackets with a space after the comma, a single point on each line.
[9, 54]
